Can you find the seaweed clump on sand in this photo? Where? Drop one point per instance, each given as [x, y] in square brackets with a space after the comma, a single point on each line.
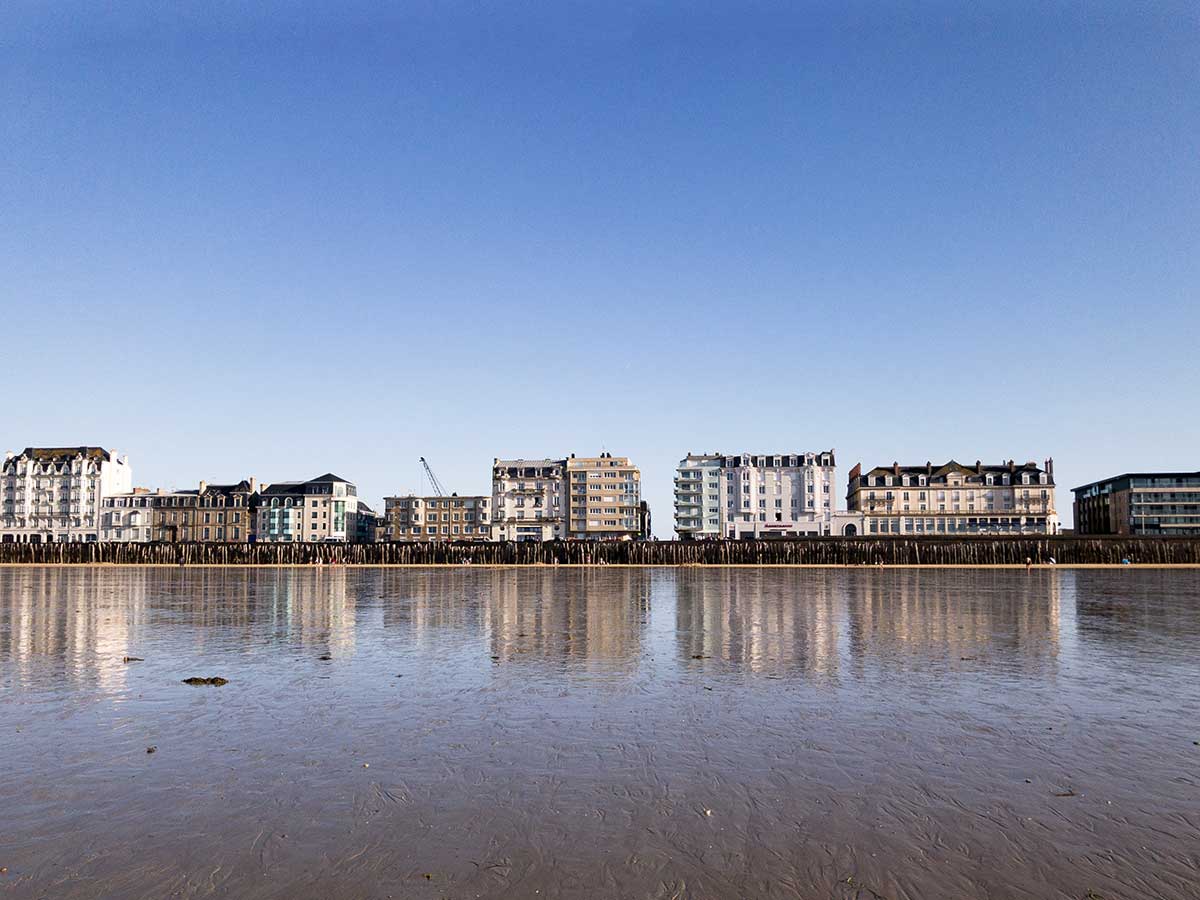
[215, 681]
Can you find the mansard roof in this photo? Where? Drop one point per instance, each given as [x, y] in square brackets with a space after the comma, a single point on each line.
[242, 487]
[64, 454]
[939, 473]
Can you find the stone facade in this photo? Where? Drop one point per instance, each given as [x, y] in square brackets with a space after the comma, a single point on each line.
[217, 513]
[1009, 498]
[529, 499]
[53, 494]
[452, 518]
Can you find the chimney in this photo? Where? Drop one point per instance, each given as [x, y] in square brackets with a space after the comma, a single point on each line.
[1050, 465]
[896, 468]
[979, 467]
[203, 485]
[253, 485]
[1012, 467]
[928, 467]
[112, 454]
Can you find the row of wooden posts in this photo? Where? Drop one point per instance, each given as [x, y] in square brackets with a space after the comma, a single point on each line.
[1066, 550]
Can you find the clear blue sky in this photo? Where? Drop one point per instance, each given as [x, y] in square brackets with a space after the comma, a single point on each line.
[276, 239]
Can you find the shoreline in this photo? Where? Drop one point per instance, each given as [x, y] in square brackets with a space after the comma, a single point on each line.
[1045, 566]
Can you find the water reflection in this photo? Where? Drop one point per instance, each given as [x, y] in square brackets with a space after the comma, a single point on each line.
[574, 616]
[764, 621]
[940, 614]
[660, 732]
[758, 621]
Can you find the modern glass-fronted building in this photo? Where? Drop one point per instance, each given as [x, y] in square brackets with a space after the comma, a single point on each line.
[1142, 503]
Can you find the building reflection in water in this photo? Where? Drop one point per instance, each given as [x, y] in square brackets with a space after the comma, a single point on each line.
[87, 620]
[306, 607]
[819, 621]
[581, 616]
[945, 613]
[522, 614]
[425, 602]
[73, 622]
[763, 620]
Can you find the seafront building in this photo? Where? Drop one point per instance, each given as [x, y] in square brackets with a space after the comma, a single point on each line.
[56, 494]
[324, 508]
[528, 499]
[604, 498]
[368, 525]
[753, 496]
[698, 497]
[1140, 503]
[437, 518]
[216, 513]
[128, 518]
[213, 513]
[1010, 498]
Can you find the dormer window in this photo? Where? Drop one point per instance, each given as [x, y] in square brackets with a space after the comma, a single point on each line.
[991, 479]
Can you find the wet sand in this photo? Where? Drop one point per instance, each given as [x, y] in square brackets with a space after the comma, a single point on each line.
[600, 732]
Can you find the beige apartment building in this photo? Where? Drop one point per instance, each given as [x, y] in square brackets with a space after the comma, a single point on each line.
[603, 498]
[1010, 498]
[452, 518]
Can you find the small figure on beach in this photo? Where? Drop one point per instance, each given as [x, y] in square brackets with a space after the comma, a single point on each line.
[1028, 563]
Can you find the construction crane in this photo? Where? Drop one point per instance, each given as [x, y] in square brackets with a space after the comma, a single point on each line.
[433, 479]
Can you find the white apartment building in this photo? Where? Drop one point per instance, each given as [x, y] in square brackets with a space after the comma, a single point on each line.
[128, 518]
[698, 497]
[759, 495]
[55, 494]
[529, 501]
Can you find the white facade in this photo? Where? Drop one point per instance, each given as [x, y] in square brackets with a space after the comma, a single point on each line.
[529, 501]
[127, 518]
[755, 495]
[56, 494]
[698, 497]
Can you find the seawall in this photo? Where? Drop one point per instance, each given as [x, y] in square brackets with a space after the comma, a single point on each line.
[832, 551]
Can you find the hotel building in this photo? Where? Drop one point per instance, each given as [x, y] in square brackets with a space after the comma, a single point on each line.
[1143, 503]
[452, 518]
[320, 509]
[753, 496]
[1010, 498]
[528, 499]
[604, 499]
[53, 494]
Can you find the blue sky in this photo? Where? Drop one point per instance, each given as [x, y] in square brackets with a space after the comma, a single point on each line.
[279, 239]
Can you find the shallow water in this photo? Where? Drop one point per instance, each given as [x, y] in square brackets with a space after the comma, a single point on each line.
[600, 733]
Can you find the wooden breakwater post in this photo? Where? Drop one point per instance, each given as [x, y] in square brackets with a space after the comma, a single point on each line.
[820, 551]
